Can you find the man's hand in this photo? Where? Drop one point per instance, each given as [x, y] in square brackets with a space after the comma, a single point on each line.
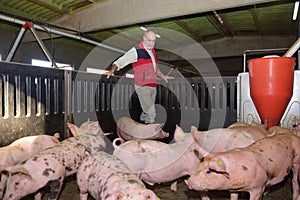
[108, 74]
[111, 72]
[166, 78]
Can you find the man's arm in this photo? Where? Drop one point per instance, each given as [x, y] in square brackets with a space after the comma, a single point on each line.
[129, 57]
[160, 74]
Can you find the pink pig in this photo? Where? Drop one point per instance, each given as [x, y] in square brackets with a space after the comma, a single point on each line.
[236, 135]
[158, 162]
[129, 129]
[51, 166]
[20, 150]
[106, 177]
[264, 163]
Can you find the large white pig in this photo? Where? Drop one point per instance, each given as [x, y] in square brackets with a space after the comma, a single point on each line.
[51, 166]
[106, 177]
[128, 129]
[264, 163]
[20, 150]
[225, 139]
[157, 162]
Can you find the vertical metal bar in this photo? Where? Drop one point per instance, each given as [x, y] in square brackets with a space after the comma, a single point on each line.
[67, 100]
[17, 97]
[5, 79]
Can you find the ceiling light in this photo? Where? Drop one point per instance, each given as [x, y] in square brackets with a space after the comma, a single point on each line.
[218, 17]
[296, 8]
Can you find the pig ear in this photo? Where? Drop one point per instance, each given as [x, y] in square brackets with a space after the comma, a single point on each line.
[195, 134]
[94, 128]
[73, 128]
[219, 166]
[17, 170]
[178, 133]
[114, 196]
[148, 194]
[194, 128]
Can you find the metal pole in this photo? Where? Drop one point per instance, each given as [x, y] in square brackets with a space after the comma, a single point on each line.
[17, 21]
[293, 48]
[68, 101]
[42, 45]
[17, 42]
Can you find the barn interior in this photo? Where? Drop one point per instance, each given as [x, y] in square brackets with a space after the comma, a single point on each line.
[197, 40]
[206, 45]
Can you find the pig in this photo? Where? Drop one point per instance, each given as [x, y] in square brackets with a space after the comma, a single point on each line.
[128, 129]
[158, 162]
[107, 177]
[225, 139]
[20, 150]
[264, 163]
[85, 128]
[278, 130]
[51, 166]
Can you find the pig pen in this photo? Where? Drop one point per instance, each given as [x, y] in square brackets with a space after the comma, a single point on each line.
[281, 191]
[38, 100]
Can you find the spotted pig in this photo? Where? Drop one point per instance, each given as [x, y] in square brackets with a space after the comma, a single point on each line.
[264, 163]
[106, 177]
[51, 166]
[20, 150]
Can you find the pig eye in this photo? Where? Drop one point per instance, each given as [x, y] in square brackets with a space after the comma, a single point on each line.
[208, 171]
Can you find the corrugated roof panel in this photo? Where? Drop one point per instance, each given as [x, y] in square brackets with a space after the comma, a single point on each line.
[201, 25]
[240, 21]
[275, 19]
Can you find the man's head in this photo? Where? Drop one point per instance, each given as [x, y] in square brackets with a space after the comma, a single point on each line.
[149, 38]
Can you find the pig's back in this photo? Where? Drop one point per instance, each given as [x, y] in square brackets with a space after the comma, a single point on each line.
[277, 154]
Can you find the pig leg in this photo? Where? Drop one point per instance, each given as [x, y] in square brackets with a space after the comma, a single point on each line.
[83, 195]
[256, 194]
[204, 195]
[38, 196]
[174, 186]
[234, 196]
[295, 183]
[55, 188]
[3, 183]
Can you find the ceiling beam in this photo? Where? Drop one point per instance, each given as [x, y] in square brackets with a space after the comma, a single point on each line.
[196, 36]
[60, 11]
[108, 14]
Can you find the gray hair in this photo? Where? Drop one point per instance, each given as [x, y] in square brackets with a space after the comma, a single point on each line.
[150, 29]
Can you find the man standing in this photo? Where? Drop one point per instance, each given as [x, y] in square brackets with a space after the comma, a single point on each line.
[145, 66]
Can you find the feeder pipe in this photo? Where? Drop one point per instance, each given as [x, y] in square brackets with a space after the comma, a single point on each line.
[258, 50]
[293, 49]
[21, 22]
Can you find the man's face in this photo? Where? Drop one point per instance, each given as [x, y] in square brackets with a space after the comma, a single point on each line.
[149, 40]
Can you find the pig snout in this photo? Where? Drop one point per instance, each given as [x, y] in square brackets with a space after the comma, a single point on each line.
[133, 195]
[189, 184]
[163, 134]
[193, 184]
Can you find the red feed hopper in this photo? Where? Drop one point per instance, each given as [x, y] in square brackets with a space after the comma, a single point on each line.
[271, 86]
